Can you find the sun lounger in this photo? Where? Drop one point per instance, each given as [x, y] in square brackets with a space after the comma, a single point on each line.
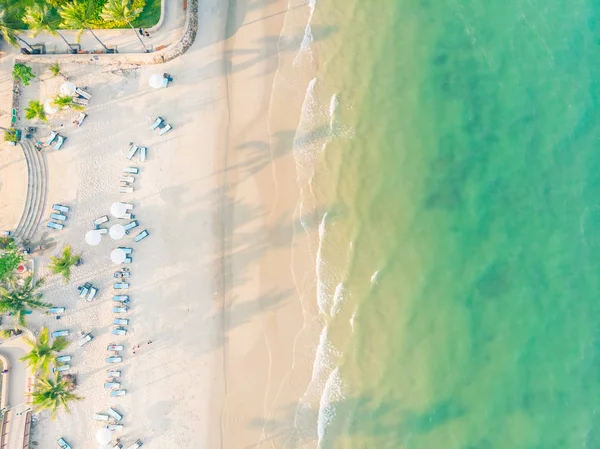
[156, 123]
[136, 445]
[114, 427]
[121, 286]
[93, 293]
[59, 142]
[61, 368]
[59, 217]
[119, 331]
[116, 393]
[122, 309]
[56, 310]
[127, 217]
[118, 446]
[165, 130]
[61, 208]
[123, 184]
[141, 236]
[113, 373]
[81, 101]
[63, 444]
[128, 189]
[85, 339]
[63, 358]
[129, 226]
[80, 119]
[112, 385]
[98, 221]
[128, 179]
[127, 260]
[126, 250]
[121, 321]
[132, 150]
[102, 231]
[116, 415]
[100, 417]
[55, 225]
[82, 93]
[60, 333]
[121, 298]
[143, 151]
[114, 359]
[51, 138]
[84, 289]
[132, 170]
[115, 347]
[125, 273]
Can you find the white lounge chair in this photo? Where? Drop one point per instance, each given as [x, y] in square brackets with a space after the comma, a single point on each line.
[121, 321]
[63, 444]
[113, 373]
[51, 138]
[93, 293]
[165, 130]
[114, 359]
[141, 236]
[156, 123]
[115, 348]
[132, 170]
[123, 309]
[100, 220]
[112, 385]
[119, 331]
[143, 154]
[121, 298]
[116, 415]
[82, 93]
[55, 225]
[59, 142]
[59, 217]
[127, 179]
[126, 250]
[56, 310]
[81, 101]
[136, 445]
[116, 393]
[121, 286]
[128, 189]
[115, 427]
[85, 339]
[60, 333]
[61, 208]
[132, 150]
[80, 119]
[61, 368]
[100, 417]
[129, 226]
[63, 358]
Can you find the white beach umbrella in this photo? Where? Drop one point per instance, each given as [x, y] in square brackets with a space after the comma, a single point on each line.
[93, 238]
[68, 88]
[157, 81]
[117, 231]
[50, 107]
[118, 209]
[118, 256]
[103, 436]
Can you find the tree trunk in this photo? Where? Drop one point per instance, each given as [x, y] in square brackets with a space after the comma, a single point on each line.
[25, 42]
[101, 43]
[138, 36]
[63, 38]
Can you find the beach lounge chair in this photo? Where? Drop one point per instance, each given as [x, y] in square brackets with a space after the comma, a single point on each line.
[128, 189]
[121, 298]
[127, 217]
[63, 359]
[112, 385]
[102, 230]
[143, 154]
[59, 142]
[98, 221]
[85, 339]
[51, 137]
[128, 179]
[119, 331]
[121, 321]
[60, 333]
[100, 417]
[113, 373]
[61, 208]
[127, 260]
[129, 226]
[114, 359]
[114, 427]
[123, 184]
[56, 310]
[84, 289]
[124, 273]
[156, 123]
[132, 170]
[165, 130]
[61, 368]
[59, 217]
[141, 236]
[118, 446]
[93, 293]
[136, 445]
[132, 150]
[116, 393]
[81, 101]
[82, 93]
[122, 309]
[115, 347]
[121, 286]
[55, 225]
[63, 444]
[80, 119]
[116, 415]
[126, 250]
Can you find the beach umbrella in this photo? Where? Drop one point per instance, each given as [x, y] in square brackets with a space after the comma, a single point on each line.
[117, 231]
[118, 256]
[93, 238]
[119, 209]
[50, 107]
[103, 436]
[68, 89]
[157, 81]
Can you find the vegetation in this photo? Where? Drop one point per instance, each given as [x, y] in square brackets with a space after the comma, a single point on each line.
[10, 135]
[120, 11]
[55, 69]
[23, 73]
[62, 265]
[10, 259]
[75, 15]
[9, 25]
[35, 109]
[66, 101]
[53, 393]
[17, 299]
[43, 354]
[39, 17]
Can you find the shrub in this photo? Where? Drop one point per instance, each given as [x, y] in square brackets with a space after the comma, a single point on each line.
[10, 135]
[23, 73]
[9, 260]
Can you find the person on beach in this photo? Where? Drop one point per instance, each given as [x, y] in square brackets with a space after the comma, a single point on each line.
[141, 32]
[147, 34]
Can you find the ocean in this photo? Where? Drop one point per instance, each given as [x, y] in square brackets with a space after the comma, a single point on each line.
[458, 248]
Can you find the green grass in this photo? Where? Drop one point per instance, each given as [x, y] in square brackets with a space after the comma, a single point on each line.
[149, 16]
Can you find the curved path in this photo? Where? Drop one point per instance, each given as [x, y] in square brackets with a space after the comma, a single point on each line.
[37, 182]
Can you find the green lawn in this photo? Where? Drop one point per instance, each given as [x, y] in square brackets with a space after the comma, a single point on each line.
[149, 16]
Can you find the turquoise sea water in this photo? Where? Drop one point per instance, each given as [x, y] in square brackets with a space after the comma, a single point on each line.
[458, 261]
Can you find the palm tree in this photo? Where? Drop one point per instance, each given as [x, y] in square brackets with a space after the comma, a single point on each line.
[8, 29]
[42, 353]
[55, 69]
[52, 393]
[17, 299]
[62, 265]
[66, 101]
[40, 18]
[74, 15]
[120, 11]
[35, 109]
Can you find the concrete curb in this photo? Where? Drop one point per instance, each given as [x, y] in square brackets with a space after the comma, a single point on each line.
[5, 380]
[157, 27]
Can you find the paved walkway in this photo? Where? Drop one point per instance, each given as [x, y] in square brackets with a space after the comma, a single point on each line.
[165, 33]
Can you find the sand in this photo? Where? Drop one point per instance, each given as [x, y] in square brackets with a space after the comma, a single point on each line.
[213, 286]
